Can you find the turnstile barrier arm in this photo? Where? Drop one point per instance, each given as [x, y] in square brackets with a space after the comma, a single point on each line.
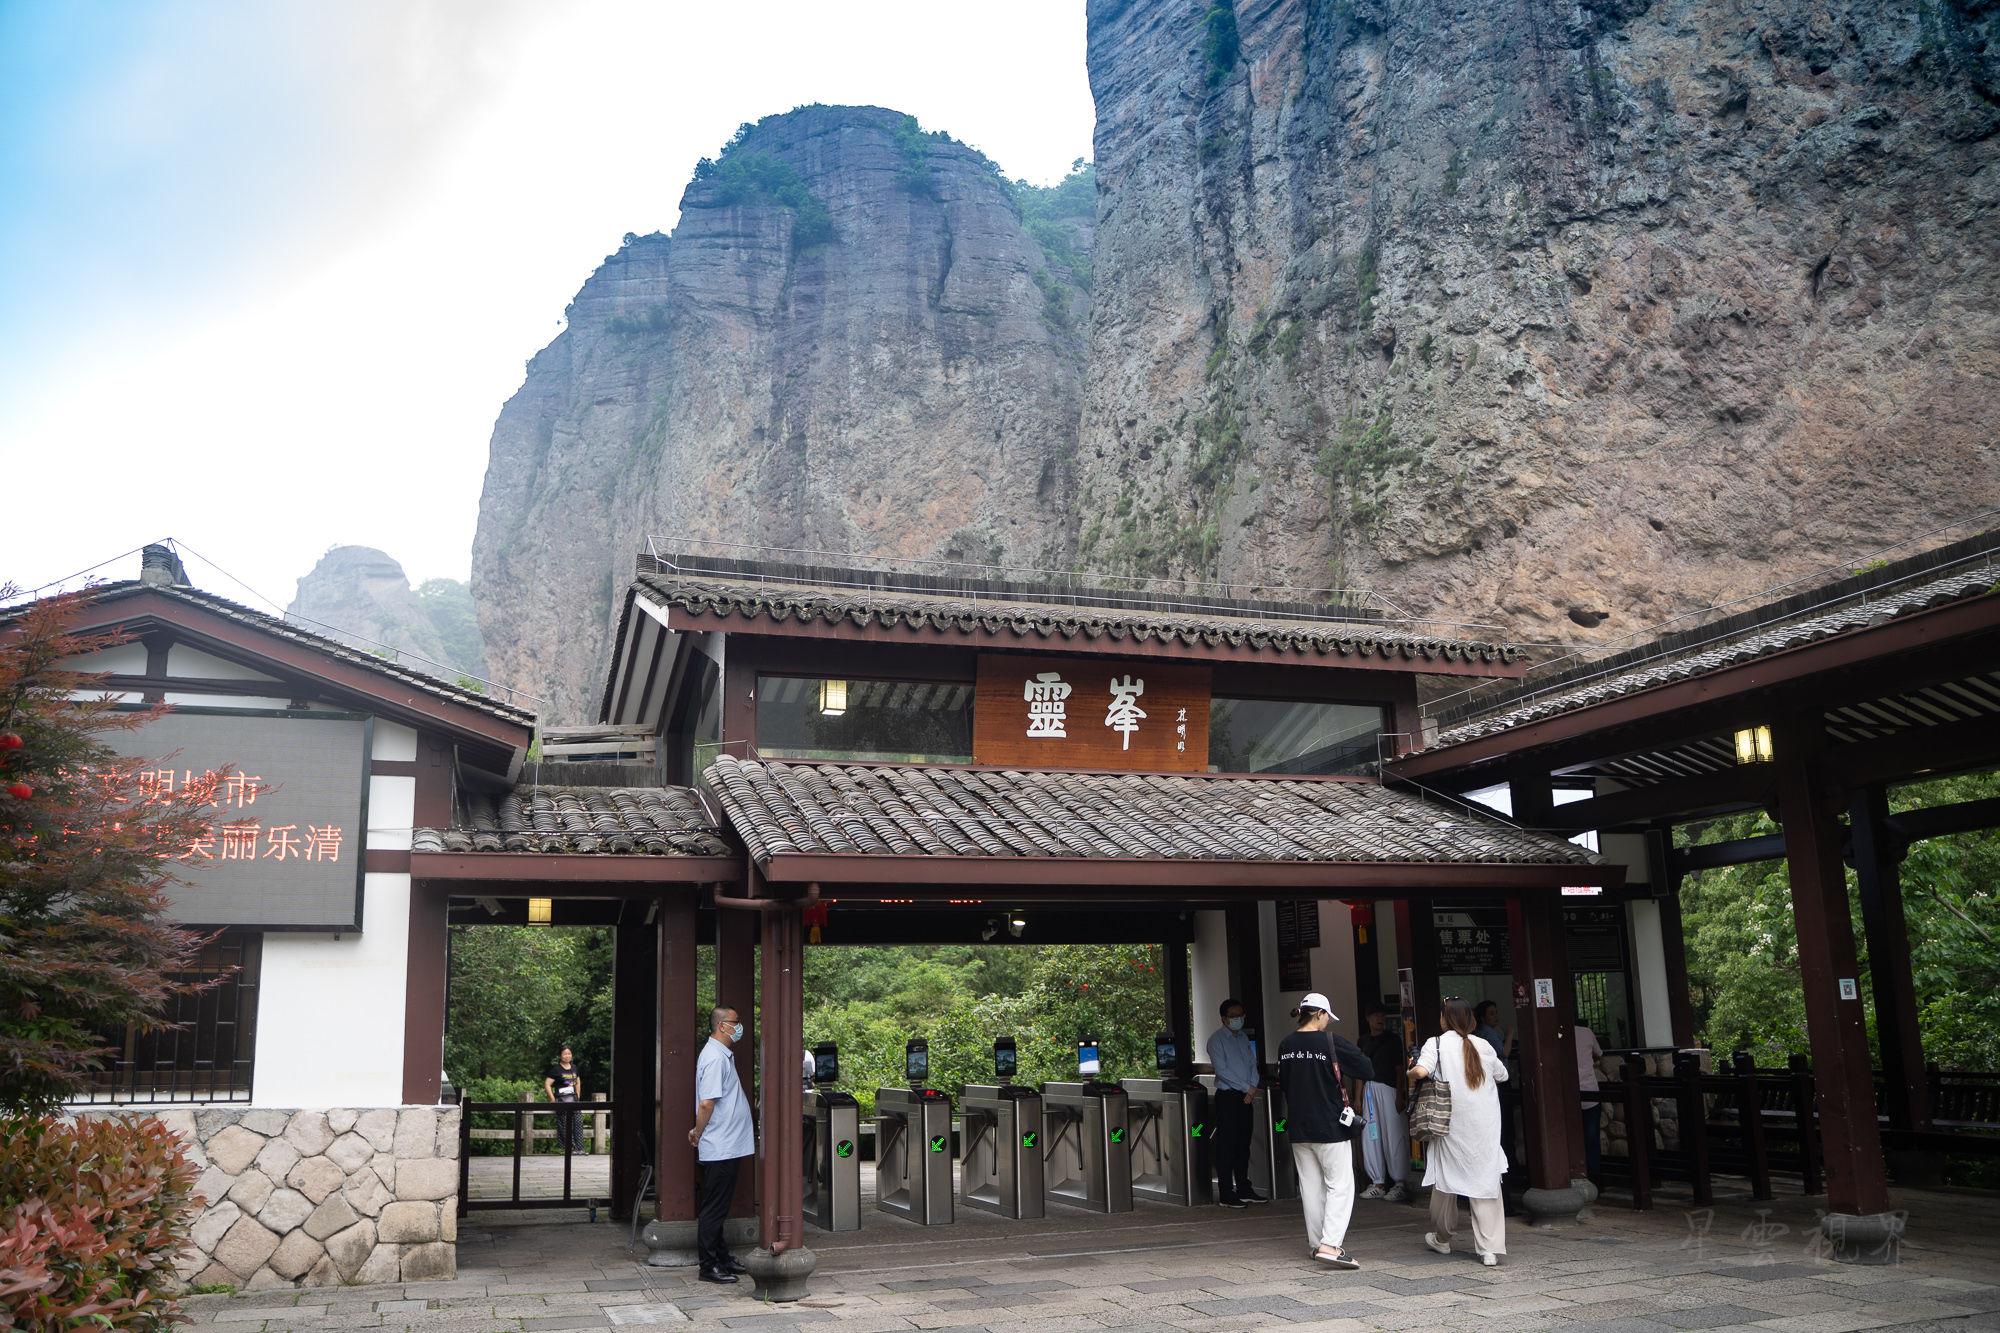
[1071, 1119]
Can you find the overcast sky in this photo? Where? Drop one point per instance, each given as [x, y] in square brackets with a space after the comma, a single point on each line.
[268, 270]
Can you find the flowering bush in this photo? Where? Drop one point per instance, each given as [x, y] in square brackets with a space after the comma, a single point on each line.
[92, 1215]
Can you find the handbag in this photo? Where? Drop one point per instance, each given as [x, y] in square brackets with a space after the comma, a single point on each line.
[1430, 1109]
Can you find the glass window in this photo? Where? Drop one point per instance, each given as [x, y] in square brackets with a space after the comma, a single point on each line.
[890, 721]
[1289, 736]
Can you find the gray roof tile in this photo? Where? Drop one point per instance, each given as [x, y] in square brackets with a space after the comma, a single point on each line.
[651, 821]
[948, 811]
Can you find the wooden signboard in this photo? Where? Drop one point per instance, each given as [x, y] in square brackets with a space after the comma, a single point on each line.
[1067, 712]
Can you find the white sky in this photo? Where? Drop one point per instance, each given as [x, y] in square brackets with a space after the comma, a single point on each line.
[269, 270]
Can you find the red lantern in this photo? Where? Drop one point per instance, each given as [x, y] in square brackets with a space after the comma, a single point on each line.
[10, 740]
[20, 791]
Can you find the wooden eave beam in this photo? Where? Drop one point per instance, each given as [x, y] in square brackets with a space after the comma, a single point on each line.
[371, 692]
[1749, 785]
[733, 622]
[1068, 879]
[1650, 716]
[588, 871]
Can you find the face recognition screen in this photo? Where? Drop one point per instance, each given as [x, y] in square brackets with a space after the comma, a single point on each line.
[826, 1065]
[1086, 1058]
[1163, 1055]
[917, 1065]
[1004, 1063]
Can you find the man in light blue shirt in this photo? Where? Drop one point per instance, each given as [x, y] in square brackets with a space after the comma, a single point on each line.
[723, 1136]
[1234, 1059]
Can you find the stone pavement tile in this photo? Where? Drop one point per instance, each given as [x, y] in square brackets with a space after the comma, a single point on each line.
[980, 1303]
[946, 1318]
[1343, 1309]
[1621, 1324]
[615, 1284]
[1414, 1286]
[1002, 1290]
[1709, 1316]
[1771, 1272]
[1278, 1305]
[1596, 1311]
[966, 1281]
[1824, 1322]
[400, 1307]
[260, 1313]
[1191, 1282]
[1068, 1324]
[557, 1322]
[1789, 1302]
[529, 1286]
[780, 1316]
[1333, 1326]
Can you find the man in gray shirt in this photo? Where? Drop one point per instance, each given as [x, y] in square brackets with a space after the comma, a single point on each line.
[723, 1136]
[1234, 1057]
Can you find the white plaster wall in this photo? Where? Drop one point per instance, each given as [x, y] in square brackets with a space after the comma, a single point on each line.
[1333, 971]
[127, 659]
[224, 700]
[185, 661]
[392, 810]
[1649, 972]
[330, 1009]
[395, 742]
[1208, 976]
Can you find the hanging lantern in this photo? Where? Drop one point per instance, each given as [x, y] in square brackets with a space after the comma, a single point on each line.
[540, 911]
[1753, 745]
[833, 697]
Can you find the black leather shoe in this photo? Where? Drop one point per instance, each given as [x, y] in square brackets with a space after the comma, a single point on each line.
[734, 1265]
[1232, 1203]
[717, 1275]
[1252, 1196]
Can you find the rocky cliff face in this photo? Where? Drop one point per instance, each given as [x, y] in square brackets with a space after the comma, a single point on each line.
[1563, 316]
[849, 343]
[362, 597]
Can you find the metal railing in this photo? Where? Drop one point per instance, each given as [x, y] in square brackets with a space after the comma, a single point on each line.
[523, 1132]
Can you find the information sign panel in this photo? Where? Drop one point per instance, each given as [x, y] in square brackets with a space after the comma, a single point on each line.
[1066, 712]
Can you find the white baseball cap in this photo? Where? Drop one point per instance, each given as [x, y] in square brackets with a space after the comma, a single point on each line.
[1317, 1001]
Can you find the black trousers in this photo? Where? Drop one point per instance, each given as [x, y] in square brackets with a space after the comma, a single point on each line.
[1232, 1144]
[718, 1186]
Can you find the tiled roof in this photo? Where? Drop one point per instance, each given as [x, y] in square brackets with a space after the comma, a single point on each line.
[1050, 619]
[944, 811]
[1664, 662]
[285, 629]
[650, 821]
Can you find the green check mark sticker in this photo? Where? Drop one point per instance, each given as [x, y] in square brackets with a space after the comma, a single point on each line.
[937, 1143]
[845, 1148]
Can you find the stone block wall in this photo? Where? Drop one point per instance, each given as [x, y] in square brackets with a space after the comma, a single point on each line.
[321, 1198]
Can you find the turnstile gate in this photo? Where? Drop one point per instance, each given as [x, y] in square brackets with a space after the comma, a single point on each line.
[1086, 1160]
[1271, 1171]
[832, 1161]
[1169, 1128]
[913, 1154]
[1000, 1169]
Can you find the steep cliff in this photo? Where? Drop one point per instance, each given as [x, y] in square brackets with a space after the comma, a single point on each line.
[1564, 316]
[362, 597]
[849, 343]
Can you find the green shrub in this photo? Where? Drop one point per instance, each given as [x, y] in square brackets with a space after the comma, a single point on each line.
[95, 1211]
[758, 178]
[1220, 45]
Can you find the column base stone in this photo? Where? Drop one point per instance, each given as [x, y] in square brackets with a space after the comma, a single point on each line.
[673, 1244]
[780, 1276]
[1553, 1208]
[1872, 1239]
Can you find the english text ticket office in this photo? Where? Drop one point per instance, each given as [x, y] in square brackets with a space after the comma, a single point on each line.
[906, 759]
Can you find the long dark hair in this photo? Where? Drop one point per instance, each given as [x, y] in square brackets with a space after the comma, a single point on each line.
[1457, 1015]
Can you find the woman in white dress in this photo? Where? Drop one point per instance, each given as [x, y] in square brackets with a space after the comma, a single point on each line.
[1468, 1160]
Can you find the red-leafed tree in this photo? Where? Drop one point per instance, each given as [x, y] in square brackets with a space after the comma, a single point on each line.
[86, 946]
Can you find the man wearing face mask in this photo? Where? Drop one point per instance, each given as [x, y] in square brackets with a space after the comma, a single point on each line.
[723, 1136]
[1234, 1058]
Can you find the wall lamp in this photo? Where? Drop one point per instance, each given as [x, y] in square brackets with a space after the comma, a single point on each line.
[1753, 745]
[833, 697]
[540, 911]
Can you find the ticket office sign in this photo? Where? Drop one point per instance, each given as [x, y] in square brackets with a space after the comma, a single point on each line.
[287, 798]
[1066, 712]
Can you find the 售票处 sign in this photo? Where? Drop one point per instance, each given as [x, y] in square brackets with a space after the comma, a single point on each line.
[1047, 712]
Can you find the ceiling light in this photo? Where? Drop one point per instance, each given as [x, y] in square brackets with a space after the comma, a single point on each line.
[540, 911]
[1753, 745]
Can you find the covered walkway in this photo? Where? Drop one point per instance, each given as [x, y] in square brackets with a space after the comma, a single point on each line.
[1745, 1265]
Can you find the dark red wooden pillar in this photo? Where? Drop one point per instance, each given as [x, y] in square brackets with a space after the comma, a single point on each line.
[1552, 1121]
[1246, 974]
[1857, 1182]
[1878, 859]
[1416, 949]
[736, 987]
[781, 1212]
[1673, 935]
[635, 1012]
[1534, 807]
[681, 1036]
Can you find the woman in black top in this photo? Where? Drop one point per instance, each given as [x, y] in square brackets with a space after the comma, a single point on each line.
[1311, 1063]
[563, 1081]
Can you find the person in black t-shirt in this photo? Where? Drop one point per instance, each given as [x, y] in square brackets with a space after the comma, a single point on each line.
[1311, 1063]
[563, 1081]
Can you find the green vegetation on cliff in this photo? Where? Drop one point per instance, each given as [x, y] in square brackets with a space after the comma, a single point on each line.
[1059, 217]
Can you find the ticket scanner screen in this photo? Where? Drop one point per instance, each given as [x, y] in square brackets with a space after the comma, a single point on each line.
[917, 1062]
[1005, 1061]
[1087, 1062]
[826, 1063]
[1163, 1053]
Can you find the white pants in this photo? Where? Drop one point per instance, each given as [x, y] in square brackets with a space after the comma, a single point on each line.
[1326, 1187]
[1385, 1149]
[1489, 1221]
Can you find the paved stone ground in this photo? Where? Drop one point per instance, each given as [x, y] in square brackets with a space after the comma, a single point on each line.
[1746, 1265]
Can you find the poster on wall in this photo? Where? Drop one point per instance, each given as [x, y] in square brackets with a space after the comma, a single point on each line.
[1298, 936]
[287, 800]
[1066, 712]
